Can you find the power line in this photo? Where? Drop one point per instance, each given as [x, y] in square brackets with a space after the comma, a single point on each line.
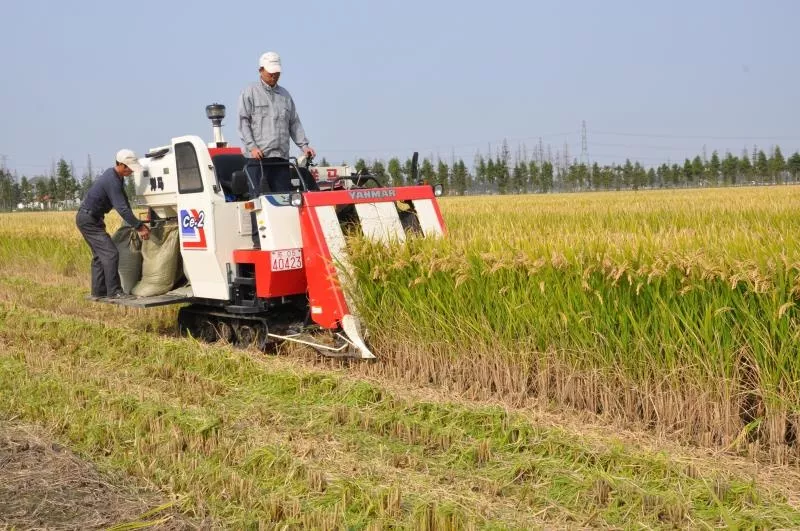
[695, 137]
[643, 146]
[446, 145]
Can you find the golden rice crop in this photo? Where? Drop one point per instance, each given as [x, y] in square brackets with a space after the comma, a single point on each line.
[676, 309]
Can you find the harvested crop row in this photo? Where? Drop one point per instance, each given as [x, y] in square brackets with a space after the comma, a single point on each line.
[242, 442]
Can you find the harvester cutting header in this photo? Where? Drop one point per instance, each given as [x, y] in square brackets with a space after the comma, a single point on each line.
[264, 254]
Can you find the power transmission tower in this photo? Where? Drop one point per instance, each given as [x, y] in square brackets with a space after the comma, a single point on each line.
[584, 145]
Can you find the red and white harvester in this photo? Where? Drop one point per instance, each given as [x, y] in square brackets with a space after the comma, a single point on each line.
[267, 267]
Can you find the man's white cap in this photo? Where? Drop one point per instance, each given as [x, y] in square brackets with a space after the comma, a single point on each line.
[271, 62]
[129, 159]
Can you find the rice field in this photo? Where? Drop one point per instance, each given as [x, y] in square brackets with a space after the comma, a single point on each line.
[544, 366]
[677, 310]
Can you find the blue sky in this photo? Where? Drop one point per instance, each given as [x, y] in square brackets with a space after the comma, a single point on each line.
[655, 81]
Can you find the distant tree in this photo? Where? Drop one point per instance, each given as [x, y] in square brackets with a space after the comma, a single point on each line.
[762, 166]
[593, 176]
[729, 169]
[443, 174]
[714, 168]
[466, 175]
[793, 166]
[661, 173]
[85, 184]
[777, 165]
[52, 192]
[534, 176]
[627, 176]
[6, 190]
[361, 165]
[41, 189]
[503, 168]
[460, 178]
[324, 162]
[26, 191]
[639, 176]
[745, 167]
[698, 168]
[547, 176]
[64, 181]
[502, 175]
[677, 174]
[395, 172]
[426, 171]
[408, 172]
[480, 172]
[519, 177]
[581, 175]
[688, 172]
[491, 172]
[379, 171]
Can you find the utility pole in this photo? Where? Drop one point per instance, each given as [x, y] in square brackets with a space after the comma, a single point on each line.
[540, 152]
[584, 145]
[4, 158]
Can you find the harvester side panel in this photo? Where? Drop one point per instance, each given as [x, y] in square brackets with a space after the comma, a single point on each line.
[326, 258]
[429, 216]
[380, 222]
[322, 241]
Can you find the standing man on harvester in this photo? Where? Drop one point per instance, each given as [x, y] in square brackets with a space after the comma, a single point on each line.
[108, 192]
[268, 118]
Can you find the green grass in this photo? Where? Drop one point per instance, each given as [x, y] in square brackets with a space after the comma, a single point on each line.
[244, 442]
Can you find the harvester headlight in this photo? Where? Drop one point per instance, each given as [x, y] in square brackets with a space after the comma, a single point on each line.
[296, 199]
[438, 190]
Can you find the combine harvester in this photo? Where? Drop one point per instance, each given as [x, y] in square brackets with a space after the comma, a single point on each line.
[269, 268]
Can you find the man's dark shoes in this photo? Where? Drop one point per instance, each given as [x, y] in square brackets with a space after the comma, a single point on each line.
[121, 296]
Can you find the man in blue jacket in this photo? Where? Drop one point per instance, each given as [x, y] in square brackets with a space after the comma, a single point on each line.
[108, 192]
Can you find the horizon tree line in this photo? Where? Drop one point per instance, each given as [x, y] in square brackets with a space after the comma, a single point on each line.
[499, 173]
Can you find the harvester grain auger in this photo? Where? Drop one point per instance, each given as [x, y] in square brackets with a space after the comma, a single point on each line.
[267, 267]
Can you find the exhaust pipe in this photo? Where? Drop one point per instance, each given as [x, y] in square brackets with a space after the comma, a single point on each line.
[216, 112]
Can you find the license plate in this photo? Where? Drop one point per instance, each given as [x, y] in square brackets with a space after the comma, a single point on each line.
[287, 259]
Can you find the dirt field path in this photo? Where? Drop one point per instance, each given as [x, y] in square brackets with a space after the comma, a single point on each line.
[44, 485]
